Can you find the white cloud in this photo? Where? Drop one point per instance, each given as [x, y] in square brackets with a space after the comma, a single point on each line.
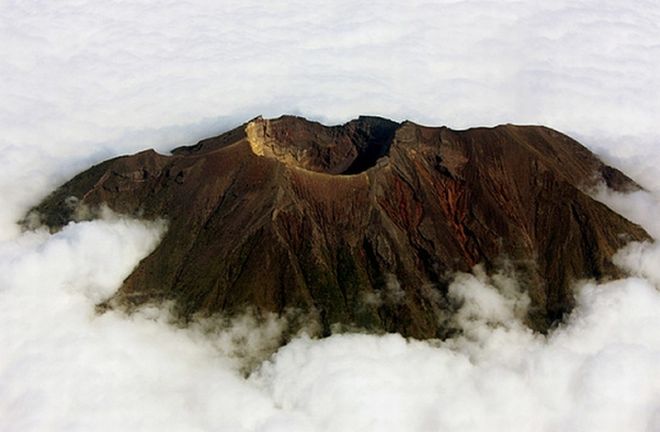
[83, 80]
[594, 373]
[65, 368]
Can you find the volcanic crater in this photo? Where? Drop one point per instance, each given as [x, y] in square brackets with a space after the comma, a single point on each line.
[286, 214]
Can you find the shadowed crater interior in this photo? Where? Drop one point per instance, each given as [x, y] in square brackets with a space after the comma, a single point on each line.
[350, 148]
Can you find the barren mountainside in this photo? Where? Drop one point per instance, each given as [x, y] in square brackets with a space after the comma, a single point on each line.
[362, 224]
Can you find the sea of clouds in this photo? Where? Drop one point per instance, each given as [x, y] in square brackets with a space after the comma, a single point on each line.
[81, 81]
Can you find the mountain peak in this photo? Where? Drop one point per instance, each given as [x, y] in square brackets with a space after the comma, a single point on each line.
[288, 214]
[347, 149]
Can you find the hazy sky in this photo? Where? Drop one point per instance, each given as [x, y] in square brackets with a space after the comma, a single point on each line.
[81, 81]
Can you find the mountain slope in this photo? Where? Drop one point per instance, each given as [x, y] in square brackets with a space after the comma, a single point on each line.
[362, 224]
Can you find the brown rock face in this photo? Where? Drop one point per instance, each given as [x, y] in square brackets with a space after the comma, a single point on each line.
[361, 224]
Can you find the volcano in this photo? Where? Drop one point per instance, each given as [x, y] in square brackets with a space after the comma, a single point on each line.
[361, 226]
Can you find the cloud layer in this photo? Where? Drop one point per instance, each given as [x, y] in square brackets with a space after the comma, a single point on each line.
[83, 80]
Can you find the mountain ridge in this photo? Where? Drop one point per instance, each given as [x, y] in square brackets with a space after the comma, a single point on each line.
[285, 213]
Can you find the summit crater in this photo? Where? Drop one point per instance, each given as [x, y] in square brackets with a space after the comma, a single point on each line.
[288, 214]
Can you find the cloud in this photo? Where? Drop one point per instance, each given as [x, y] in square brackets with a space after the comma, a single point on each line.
[590, 374]
[83, 81]
[66, 368]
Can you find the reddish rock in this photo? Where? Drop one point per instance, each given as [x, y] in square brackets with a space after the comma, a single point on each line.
[361, 224]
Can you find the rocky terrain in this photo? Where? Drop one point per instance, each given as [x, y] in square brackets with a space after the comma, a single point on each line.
[362, 225]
